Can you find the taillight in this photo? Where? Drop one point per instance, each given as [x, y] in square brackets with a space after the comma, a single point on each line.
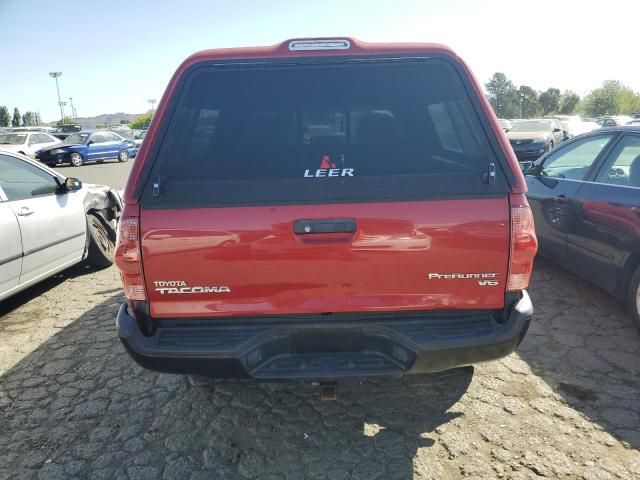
[524, 246]
[128, 261]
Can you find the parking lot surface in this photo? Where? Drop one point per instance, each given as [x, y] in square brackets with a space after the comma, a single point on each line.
[73, 404]
[111, 172]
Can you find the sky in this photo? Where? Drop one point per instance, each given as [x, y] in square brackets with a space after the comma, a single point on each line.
[115, 55]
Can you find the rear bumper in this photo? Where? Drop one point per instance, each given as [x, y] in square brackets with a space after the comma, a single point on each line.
[344, 346]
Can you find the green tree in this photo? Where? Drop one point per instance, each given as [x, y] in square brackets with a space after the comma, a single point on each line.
[5, 118]
[503, 96]
[17, 118]
[28, 120]
[627, 101]
[603, 100]
[141, 122]
[528, 101]
[549, 101]
[568, 102]
[124, 122]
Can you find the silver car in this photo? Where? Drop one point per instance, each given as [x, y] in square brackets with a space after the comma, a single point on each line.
[49, 223]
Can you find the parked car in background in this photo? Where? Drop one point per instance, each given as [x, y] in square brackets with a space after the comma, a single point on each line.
[532, 138]
[615, 121]
[139, 137]
[376, 227]
[32, 129]
[49, 223]
[585, 196]
[85, 147]
[26, 142]
[64, 131]
[505, 124]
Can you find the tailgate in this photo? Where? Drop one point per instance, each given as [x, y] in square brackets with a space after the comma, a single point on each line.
[249, 261]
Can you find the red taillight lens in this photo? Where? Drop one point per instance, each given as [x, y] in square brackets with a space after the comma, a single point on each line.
[127, 258]
[524, 246]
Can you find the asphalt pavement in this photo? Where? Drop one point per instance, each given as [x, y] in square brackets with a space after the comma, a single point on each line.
[111, 172]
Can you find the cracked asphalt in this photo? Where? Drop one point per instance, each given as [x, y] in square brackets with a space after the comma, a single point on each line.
[73, 405]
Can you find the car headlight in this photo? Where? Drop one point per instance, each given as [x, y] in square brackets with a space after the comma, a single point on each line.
[57, 151]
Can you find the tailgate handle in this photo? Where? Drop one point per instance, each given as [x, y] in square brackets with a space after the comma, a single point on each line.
[329, 225]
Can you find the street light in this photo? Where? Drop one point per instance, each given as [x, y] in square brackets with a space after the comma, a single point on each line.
[152, 102]
[62, 105]
[74, 112]
[55, 76]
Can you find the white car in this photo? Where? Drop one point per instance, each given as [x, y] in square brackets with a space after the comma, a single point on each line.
[49, 223]
[26, 143]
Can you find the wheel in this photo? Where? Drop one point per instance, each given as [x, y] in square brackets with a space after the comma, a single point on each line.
[634, 298]
[123, 156]
[101, 247]
[76, 159]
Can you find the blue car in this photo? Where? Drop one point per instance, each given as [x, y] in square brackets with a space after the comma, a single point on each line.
[83, 147]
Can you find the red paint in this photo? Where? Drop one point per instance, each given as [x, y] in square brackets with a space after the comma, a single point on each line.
[382, 267]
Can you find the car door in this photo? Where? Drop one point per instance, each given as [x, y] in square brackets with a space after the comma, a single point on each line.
[554, 181]
[606, 230]
[113, 145]
[96, 146]
[52, 224]
[10, 248]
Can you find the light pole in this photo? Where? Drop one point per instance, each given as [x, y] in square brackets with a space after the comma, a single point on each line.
[55, 76]
[74, 113]
[152, 102]
[62, 105]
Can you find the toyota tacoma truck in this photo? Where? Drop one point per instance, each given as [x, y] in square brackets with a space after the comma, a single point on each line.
[324, 208]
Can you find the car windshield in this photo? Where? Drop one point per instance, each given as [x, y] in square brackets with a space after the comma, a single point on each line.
[532, 126]
[12, 139]
[76, 138]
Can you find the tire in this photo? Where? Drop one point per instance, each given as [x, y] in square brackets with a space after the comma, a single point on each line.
[633, 299]
[101, 247]
[123, 156]
[76, 159]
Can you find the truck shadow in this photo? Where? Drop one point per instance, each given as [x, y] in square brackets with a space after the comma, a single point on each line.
[78, 406]
[583, 343]
[41, 288]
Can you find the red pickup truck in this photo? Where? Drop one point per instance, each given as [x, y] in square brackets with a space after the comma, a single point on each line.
[324, 208]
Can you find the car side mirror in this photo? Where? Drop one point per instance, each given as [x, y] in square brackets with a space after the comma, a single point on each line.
[556, 130]
[72, 184]
[526, 167]
[90, 142]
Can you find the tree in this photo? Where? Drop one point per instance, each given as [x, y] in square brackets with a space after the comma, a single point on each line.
[503, 96]
[5, 118]
[528, 101]
[124, 122]
[604, 100]
[17, 118]
[28, 120]
[141, 122]
[568, 102]
[627, 101]
[549, 100]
